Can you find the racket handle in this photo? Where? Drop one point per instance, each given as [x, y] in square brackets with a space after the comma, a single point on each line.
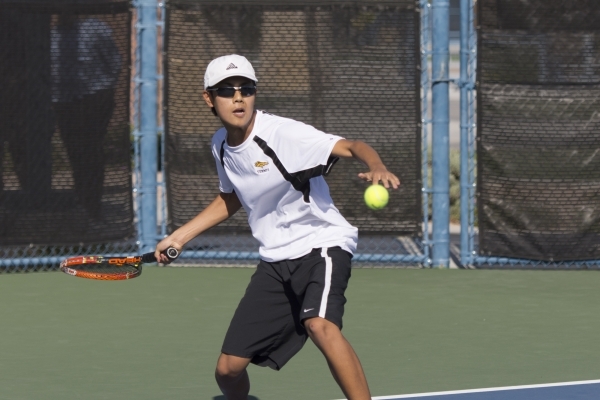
[171, 252]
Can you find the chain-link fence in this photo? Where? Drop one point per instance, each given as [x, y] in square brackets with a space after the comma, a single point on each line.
[359, 70]
[538, 146]
[65, 158]
[347, 69]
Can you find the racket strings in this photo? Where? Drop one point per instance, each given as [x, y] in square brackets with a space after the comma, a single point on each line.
[106, 268]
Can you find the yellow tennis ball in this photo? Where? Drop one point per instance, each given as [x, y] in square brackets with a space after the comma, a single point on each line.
[376, 197]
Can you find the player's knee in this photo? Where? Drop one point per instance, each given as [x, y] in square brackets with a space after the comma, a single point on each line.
[229, 369]
[320, 328]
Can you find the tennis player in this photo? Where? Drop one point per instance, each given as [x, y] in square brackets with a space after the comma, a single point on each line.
[274, 168]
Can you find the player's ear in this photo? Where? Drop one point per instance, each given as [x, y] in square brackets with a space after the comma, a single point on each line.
[208, 98]
[209, 101]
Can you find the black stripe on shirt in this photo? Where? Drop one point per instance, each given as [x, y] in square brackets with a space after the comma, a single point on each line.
[221, 153]
[300, 180]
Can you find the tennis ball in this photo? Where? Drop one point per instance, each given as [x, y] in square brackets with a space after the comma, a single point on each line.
[376, 197]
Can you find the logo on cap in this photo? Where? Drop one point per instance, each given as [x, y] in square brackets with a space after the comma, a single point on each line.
[231, 66]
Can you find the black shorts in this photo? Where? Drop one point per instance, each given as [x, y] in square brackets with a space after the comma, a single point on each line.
[267, 325]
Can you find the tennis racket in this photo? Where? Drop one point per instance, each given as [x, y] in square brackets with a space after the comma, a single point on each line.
[110, 268]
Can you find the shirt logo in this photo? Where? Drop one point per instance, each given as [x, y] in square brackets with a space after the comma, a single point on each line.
[231, 66]
[261, 167]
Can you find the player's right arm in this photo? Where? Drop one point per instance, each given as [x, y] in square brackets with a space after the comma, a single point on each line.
[221, 208]
[368, 156]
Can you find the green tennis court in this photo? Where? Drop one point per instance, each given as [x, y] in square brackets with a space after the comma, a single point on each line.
[415, 330]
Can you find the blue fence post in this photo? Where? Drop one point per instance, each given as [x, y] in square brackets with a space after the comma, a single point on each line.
[440, 134]
[425, 121]
[147, 17]
[465, 184]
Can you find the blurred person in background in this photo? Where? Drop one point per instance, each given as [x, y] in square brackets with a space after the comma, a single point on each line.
[85, 64]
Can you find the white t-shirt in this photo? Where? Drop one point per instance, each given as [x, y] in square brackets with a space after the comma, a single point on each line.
[277, 173]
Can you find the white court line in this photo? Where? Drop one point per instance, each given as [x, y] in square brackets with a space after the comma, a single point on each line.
[496, 389]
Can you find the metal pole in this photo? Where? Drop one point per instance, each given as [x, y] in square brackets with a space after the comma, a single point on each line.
[147, 12]
[440, 134]
[465, 183]
[425, 121]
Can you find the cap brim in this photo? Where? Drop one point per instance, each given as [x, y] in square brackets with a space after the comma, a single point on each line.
[216, 80]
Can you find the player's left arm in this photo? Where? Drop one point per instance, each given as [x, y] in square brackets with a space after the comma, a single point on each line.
[368, 156]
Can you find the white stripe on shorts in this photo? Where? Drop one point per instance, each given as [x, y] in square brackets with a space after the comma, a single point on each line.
[328, 268]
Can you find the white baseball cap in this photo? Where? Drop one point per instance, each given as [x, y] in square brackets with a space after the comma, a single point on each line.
[228, 66]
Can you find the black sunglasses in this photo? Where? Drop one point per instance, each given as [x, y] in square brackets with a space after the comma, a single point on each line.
[229, 92]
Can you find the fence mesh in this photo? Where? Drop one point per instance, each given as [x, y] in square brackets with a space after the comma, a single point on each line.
[65, 153]
[539, 129]
[346, 69]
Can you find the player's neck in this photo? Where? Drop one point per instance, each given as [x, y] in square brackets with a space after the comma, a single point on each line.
[237, 135]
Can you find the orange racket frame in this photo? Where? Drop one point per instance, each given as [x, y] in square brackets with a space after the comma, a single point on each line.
[110, 268]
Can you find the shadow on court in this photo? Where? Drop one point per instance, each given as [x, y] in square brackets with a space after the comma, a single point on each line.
[221, 397]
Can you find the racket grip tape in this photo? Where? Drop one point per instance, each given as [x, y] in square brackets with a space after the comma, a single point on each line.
[171, 252]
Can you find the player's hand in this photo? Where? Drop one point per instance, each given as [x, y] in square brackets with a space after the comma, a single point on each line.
[381, 174]
[161, 247]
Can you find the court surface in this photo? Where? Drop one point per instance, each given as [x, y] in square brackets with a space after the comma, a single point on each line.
[582, 390]
[158, 336]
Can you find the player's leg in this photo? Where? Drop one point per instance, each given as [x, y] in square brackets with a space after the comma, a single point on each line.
[262, 330]
[232, 376]
[341, 358]
[325, 276]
